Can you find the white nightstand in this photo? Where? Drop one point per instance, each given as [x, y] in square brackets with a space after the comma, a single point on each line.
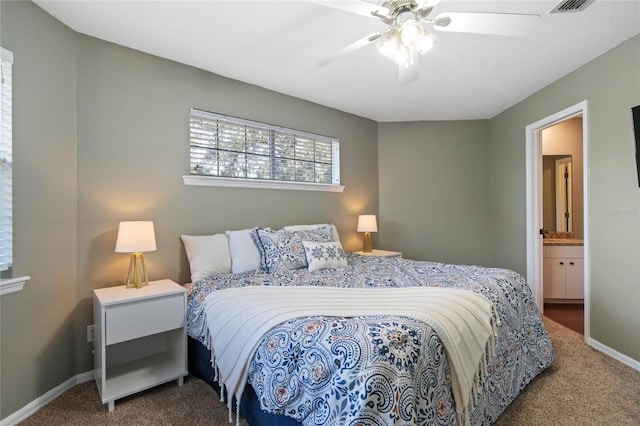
[140, 338]
[380, 253]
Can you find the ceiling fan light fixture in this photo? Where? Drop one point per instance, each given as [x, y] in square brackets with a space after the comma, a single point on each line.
[402, 55]
[389, 44]
[426, 43]
[411, 32]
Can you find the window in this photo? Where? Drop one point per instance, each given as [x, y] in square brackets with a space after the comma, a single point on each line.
[8, 285]
[225, 149]
[6, 222]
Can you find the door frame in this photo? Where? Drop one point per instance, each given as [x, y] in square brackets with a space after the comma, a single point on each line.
[534, 202]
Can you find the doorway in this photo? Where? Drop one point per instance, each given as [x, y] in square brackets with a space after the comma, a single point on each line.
[562, 220]
[534, 196]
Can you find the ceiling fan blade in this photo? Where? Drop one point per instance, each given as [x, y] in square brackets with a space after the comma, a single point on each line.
[350, 48]
[357, 7]
[409, 73]
[503, 24]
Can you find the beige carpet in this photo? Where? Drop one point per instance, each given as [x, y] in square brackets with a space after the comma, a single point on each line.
[583, 387]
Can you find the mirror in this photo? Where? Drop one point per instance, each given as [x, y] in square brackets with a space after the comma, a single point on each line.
[564, 182]
[557, 191]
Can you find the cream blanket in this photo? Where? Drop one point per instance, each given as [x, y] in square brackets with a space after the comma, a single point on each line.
[238, 319]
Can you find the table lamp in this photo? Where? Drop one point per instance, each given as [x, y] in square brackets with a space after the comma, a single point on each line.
[136, 237]
[367, 224]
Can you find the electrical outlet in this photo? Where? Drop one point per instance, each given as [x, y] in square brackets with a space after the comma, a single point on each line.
[90, 333]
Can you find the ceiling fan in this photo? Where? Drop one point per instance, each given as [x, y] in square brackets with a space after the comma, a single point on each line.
[406, 37]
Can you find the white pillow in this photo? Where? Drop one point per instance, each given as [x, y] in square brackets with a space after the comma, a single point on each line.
[336, 237]
[207, 254]
[244, 251]
[324, 255]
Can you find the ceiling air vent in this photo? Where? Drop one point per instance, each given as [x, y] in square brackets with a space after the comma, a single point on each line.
[571, 6]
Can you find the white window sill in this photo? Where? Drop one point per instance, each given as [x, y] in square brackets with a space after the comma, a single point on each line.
[259, 183]
[12, 285]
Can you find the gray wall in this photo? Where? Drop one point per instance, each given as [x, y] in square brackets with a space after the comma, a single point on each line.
[37, 325]
[434, 190]
[611, 86]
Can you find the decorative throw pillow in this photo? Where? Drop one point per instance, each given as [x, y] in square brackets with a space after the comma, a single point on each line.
[336, 236]
[324, 255]
[283, 250]
[245, 255]
[207, 254]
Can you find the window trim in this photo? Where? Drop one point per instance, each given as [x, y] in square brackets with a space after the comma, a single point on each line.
[12, 285]
[201, 180]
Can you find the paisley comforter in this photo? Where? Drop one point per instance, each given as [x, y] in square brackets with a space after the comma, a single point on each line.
[381, 370]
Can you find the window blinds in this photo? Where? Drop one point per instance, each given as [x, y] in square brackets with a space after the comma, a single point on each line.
[6, 161]
[226, 146]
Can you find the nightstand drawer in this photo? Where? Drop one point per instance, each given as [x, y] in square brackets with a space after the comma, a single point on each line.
[132, 320]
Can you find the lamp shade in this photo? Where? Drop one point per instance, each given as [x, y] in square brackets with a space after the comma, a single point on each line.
[367, 223]
[136, 237]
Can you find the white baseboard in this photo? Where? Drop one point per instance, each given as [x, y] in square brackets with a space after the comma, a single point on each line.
[614, 354]
[40, 402]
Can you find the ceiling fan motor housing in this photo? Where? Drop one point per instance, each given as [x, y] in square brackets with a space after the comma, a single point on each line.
[396, 7]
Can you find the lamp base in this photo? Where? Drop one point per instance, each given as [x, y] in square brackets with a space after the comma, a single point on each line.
[137, 276]
[366, 245]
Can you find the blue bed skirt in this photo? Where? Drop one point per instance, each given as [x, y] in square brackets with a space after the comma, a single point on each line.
[200, 367]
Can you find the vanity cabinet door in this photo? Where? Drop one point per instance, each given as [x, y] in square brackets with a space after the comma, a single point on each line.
[574, 277]
[554, 280]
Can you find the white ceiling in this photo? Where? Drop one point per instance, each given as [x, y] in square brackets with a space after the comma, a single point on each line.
[273, 44]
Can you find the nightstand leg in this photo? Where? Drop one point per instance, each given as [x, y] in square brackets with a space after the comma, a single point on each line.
[112, 405]
[180, 381]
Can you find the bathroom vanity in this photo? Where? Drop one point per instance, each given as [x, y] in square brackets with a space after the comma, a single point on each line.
[563, 269]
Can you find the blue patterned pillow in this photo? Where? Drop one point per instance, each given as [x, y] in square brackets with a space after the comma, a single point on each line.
[283, 250]
[324, 255]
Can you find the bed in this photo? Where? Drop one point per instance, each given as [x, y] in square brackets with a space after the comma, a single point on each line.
[375, 359]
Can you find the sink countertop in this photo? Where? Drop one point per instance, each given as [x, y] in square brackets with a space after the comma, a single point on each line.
[562, 242]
